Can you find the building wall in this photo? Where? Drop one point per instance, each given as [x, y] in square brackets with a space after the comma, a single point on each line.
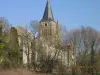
[66, 56]
[48, 36]
[25, 42]
[48, 31]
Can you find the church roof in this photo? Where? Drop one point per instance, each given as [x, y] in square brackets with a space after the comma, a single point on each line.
[48, 15]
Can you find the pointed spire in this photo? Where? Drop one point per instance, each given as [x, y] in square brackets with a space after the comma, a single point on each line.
[48, 15]
[48, 1]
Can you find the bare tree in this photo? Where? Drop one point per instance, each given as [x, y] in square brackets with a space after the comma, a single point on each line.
[5, 24]
[86, 43]
[90, 37]
[34, 27]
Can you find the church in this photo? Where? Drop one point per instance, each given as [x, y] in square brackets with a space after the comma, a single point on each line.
[47, 41]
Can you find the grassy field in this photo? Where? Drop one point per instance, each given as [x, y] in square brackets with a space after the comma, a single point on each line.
[19, 71]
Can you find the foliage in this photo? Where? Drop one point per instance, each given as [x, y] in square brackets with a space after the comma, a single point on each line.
[85, 42]
[14, 45]
[8, 56]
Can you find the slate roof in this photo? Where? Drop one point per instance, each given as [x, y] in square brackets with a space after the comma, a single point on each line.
[48, 15]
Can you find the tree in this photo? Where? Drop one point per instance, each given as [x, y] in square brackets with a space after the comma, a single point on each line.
[86, 43]
[4, 49]
[90, 37]
[47, 57]
[5, 24]
[1, 44]
[34, 28]
[28, 41]
[13, 45]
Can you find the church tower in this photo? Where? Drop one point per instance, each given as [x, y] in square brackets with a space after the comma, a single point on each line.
[49, 29]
